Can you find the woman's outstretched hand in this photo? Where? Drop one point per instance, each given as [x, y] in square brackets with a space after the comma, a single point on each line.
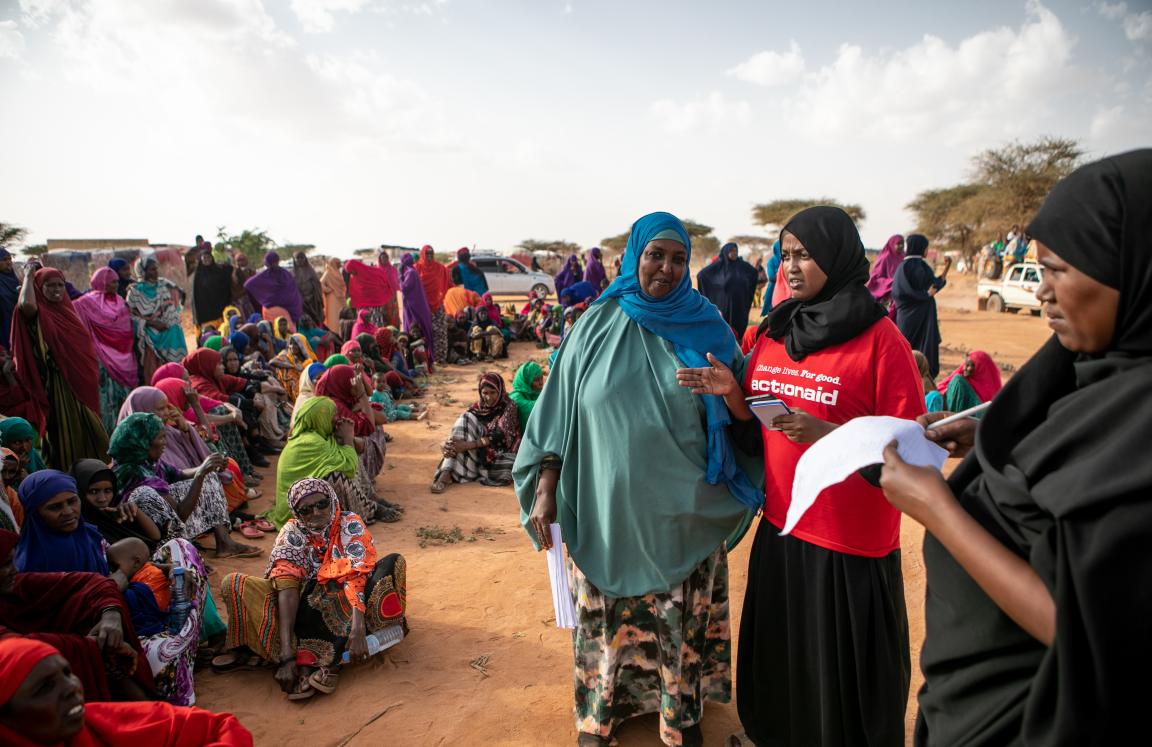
[716, 379]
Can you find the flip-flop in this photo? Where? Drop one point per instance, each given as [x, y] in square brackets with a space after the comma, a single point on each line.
[302, 691]
[265, 526]
[234, 662]
[324, 680]
[249, 530]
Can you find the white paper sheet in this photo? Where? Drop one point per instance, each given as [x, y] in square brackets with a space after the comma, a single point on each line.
[856, 444]
[558, 577]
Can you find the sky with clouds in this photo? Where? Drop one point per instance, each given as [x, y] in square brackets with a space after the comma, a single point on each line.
[350, 123]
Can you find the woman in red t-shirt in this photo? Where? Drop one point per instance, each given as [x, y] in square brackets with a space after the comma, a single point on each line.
[823, 650]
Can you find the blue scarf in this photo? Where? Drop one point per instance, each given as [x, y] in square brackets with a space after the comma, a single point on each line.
[472, 280]
[694, 327]
[42, 549]
[9, 293]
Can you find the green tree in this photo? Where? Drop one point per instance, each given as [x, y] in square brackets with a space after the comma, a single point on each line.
[35, 250]
[10, 233]
[777, 212]
[952, 216]
[541, 245]
[255, 243]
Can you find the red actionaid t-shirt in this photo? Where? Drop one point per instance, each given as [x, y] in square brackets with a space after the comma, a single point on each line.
[871, 374]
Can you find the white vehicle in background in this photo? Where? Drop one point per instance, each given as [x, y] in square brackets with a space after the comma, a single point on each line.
[1014, 291]
[509, 277]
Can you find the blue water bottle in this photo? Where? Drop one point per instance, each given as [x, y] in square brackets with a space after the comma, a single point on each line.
[180, 606]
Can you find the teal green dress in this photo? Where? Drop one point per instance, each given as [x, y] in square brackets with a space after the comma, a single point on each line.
[645, 532]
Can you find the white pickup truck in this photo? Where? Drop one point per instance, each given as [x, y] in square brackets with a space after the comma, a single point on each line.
[1015, 290]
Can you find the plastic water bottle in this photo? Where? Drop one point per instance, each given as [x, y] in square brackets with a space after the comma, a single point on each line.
[181, 606]
[380, 640]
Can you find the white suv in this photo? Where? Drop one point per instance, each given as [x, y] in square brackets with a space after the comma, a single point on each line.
[508, 277]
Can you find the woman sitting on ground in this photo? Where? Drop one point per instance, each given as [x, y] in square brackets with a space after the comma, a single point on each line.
[976, 380]
[82, 614]
[526, 388]
[267, 397]
[382, 349]
[349, 392]
[220, 422]
[484, 440]
[323, 446]
[323, 592]
[206, 374]
[41, 694]
[18, 435]
[933, 400]
[290, 363]
[184, 504]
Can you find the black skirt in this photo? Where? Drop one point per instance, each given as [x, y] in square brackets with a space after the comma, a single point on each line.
[823, 651]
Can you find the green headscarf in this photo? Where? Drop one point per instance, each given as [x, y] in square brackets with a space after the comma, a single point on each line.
[522, 392]
[129, 446]
[19, 429]
[311, 451]
[335, 360]
[214, 342]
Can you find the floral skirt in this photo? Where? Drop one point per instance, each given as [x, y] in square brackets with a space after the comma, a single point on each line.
[172, 656]
[440, 335]
[664, 652]
[211, 510]
[324, 618]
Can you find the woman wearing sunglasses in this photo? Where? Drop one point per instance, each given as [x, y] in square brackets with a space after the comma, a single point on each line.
[325, 590]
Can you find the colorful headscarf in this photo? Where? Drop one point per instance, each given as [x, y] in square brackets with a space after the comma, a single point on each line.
[501, 420]
[275, 286]
[336, 359]
[343, 553]
[985, 379]
[169, 371]
[311, 451]
[215, 342]
[19, 655]
[18, 429]
[129, 447]
[109, 322]
[42, 549]
[884, 268]
[434, 276]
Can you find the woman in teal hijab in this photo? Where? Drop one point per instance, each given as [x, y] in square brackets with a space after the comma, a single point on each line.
[18, 435]
[647, 542]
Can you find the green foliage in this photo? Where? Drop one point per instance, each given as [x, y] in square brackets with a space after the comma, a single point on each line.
[255, 243]
[1008, 186]
[10, 233]
[561, 247]
[35, 250]
[777, 212]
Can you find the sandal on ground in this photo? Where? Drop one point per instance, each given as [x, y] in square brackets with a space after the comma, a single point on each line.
[264, 525]
[302, 691]
[235, 661]
[324, 680]
[438, 484]
[389, 504]
[249, 531]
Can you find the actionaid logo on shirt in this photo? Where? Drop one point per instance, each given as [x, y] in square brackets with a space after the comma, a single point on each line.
[785, 389]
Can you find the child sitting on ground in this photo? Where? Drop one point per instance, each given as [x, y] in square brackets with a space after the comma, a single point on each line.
[383, 396]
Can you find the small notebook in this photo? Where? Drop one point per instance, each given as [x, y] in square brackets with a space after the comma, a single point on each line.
[558, 576]
[766, 408]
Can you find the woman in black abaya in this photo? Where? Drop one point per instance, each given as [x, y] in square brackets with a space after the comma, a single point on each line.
[1038, 569]
[914, 289]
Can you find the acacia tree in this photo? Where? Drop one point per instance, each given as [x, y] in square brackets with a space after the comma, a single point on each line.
[704, 244]
[1007, 187]
[10, 233]
[777, 212]
[542, 245]
[254, 243]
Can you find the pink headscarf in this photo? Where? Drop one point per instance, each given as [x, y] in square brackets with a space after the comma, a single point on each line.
[880, 280]
[985, 379]
[363, 325]
[109, 322]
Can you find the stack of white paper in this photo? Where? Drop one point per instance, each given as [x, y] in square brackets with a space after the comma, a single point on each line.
[856, 444]
[558, 576]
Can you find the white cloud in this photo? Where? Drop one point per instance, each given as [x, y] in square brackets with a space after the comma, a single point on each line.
[771, 68]
[991, 85]
[1112, 11]
[1138, 27]
[1105, 122]
[11, 41]
[316, 16]
[712, 113]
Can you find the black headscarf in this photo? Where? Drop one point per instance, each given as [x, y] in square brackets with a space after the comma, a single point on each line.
[87, 471]
[844, 308]
[915, 245]
[730, 284]
[211, 288]
[1061, 476]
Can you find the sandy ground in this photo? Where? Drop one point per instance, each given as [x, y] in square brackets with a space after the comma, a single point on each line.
[485, 664]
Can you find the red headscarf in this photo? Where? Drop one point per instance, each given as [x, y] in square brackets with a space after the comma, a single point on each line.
[67, 339]
[985, 379]
[434, 276]
[201, 365]
[116, 724]
[169, 371]
[386, 344]
[502, 417]
[336, 384]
